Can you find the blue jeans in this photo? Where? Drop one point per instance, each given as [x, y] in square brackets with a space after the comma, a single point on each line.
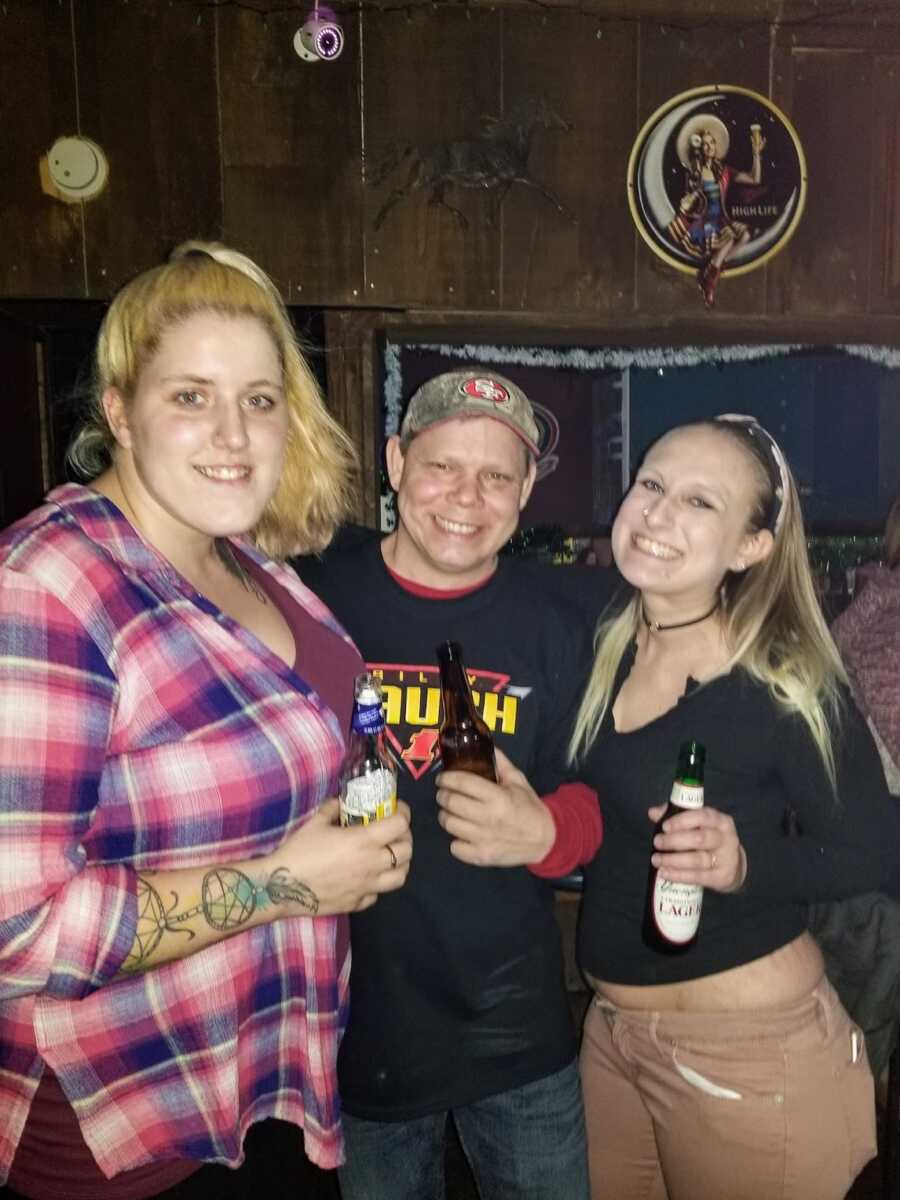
[524, 1144]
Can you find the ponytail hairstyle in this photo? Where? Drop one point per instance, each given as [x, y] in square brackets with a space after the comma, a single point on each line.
[773, 623]
[315, 491]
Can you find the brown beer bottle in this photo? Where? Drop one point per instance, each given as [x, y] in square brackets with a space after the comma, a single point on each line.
[672, 911]
[466, 743]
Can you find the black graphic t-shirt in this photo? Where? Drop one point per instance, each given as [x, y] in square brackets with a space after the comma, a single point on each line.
[456, 986]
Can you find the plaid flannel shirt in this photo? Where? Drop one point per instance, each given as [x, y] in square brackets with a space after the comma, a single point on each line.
[144, 729]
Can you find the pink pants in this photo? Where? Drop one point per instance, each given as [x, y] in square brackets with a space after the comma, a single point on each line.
[770, 1105]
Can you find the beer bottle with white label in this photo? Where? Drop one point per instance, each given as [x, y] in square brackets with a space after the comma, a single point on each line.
[368, 778]
[672, 913]
[465, 740]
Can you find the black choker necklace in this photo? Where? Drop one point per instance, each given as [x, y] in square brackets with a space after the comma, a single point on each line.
[657, 628]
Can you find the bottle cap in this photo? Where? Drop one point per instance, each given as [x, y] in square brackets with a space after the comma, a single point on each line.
[367, 689]
[449, 652]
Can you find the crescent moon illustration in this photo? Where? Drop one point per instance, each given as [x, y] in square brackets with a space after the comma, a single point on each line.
[649, 198]
[651, 187]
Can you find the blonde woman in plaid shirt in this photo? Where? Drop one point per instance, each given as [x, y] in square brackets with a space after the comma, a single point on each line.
[173, 955]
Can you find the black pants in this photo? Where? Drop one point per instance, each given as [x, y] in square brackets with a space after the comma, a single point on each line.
[275, 1168]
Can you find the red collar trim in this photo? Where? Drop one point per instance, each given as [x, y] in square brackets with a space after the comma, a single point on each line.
[430, 593]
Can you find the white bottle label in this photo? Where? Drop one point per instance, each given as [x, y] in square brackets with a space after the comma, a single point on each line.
[369, 797]
[676, 909]
[676, 906]
[687, 795]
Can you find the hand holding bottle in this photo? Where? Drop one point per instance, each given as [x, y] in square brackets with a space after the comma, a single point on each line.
[503, 824]
[700, 846]
[347, 868]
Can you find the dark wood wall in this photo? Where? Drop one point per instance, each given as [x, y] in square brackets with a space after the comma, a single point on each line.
[215, 128]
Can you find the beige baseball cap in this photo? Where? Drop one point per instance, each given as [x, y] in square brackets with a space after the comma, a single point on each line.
[473, 392]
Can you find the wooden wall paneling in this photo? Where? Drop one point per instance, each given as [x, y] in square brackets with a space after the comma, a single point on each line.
[352, 340]
[828, 95]
[673, 60]
[585, 69]
[42, 248]
[22, 476]
[885, 189]
[431, 75]
[291, 153]
[146, 75]
[779, 269]
[689, 326]
[840, 13]
[872, 25]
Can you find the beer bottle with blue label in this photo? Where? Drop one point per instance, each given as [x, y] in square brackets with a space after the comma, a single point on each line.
[672, 912]
[368, 778]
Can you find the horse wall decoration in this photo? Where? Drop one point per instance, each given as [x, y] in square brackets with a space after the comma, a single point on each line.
[490, 162]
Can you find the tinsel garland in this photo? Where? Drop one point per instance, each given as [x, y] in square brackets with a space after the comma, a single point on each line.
[609, 358]
[882, 356]
[393, 389]
[603, 359]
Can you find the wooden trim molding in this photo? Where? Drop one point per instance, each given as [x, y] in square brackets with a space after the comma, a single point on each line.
[353, 378]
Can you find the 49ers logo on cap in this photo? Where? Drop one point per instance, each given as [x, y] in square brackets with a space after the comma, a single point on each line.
[485, 389]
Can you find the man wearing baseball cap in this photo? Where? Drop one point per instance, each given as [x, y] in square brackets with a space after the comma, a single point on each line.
[458, 1006]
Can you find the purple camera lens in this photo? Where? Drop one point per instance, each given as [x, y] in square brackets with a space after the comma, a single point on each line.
[329, 42]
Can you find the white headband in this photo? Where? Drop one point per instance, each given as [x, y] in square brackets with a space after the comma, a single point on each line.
[775, 462]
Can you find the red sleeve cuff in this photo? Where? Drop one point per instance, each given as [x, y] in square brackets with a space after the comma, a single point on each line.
[579, 830]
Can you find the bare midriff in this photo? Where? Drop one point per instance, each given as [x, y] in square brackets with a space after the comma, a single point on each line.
[773, 981]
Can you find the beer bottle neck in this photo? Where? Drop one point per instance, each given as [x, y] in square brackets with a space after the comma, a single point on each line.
[455, 692]
[691, 762]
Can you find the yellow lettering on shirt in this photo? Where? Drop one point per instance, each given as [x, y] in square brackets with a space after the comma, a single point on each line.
[502, 708]
[393, 703]
[414, 714]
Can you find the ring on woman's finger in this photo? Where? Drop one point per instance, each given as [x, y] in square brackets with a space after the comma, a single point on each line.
[713, 862]
[390, 850]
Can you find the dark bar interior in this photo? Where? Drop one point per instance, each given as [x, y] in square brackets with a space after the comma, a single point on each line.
[438, 183]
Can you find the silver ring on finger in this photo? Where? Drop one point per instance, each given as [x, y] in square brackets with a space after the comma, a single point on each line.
[713, 862]
[390, 850]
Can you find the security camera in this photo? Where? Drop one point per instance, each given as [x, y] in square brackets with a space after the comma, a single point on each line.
[320, 37]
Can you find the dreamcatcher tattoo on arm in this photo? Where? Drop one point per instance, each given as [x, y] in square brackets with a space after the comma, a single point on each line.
[229, 898]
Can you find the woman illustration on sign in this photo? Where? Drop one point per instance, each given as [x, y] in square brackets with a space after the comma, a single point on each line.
[703, 226]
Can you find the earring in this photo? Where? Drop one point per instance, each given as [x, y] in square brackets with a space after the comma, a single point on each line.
[740, 565]
[646, 513]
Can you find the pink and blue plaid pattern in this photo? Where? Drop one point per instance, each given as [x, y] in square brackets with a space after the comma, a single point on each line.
[142, 728]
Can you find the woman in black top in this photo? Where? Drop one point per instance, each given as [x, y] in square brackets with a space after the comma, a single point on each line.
[729, 1069]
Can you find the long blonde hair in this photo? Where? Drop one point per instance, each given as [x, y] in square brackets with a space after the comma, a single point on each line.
[315, 491]
[773, 622]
